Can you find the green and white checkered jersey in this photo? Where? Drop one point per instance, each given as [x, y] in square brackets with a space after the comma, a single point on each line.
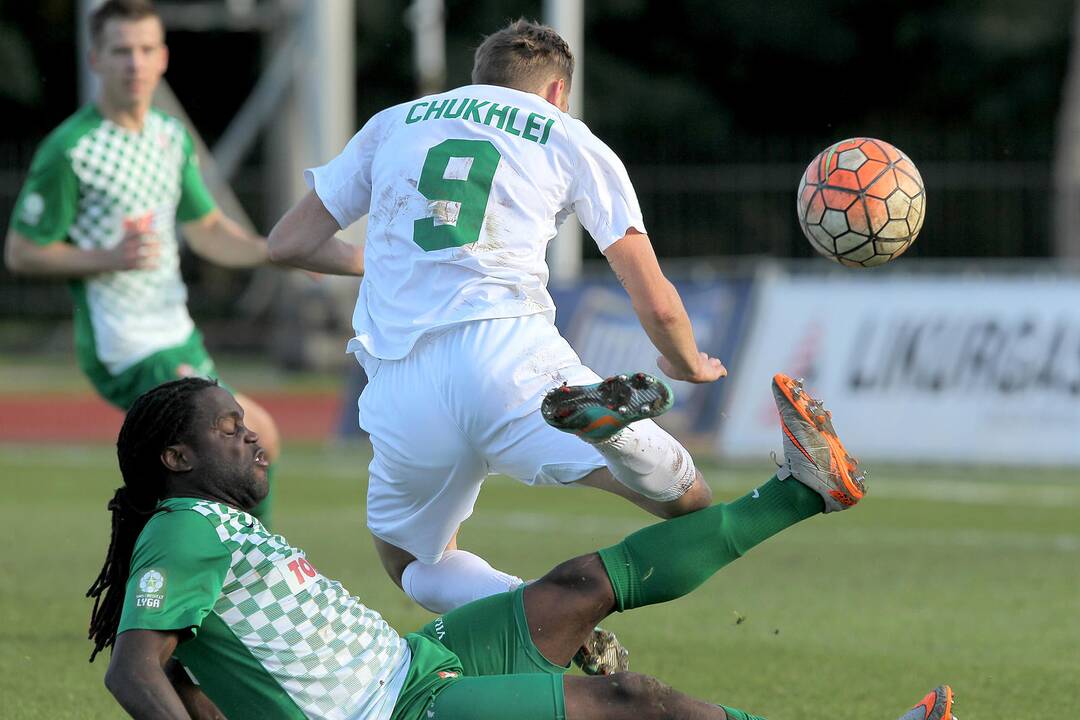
[272, 637]
[91, 180]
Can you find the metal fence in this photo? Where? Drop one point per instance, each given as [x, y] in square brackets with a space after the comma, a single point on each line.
[990, 210]
[975, 210]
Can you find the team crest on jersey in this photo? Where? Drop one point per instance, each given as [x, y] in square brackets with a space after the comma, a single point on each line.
[32, 208]
[151, 589]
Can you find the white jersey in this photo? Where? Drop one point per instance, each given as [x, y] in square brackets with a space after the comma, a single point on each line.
[465, 189]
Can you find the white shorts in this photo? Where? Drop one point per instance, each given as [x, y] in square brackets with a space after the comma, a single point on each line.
[463, 404]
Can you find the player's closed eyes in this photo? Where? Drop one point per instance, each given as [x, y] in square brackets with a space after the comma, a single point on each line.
[230, 427]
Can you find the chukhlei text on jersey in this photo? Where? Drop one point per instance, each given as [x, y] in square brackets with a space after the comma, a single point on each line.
[533, 127]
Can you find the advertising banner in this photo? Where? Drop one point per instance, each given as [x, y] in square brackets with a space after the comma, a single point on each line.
[929, 368]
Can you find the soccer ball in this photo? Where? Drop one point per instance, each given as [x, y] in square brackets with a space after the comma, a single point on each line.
[861, 202]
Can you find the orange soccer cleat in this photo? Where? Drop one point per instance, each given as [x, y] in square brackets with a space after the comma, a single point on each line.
[813, 453]
[937, 705]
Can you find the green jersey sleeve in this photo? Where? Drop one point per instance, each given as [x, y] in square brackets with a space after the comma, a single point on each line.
[47, 205]
[195, 199]
[177, 571]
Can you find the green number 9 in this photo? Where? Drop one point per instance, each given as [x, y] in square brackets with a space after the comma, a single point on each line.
[478, 161]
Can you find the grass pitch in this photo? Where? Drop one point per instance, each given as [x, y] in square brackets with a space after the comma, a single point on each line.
[968, 577]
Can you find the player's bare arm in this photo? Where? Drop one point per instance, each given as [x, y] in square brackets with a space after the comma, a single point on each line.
[136, 251]
[306, 238]
[137, 679]
[660, 310]
[225, 242]
[198, 705]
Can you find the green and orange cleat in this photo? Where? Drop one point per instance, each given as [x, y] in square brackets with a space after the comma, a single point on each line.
[597, 412]
[937, 705]
[813, 453]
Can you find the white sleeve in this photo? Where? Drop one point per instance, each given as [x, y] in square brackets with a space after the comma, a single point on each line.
[601, 194]
[344, 184]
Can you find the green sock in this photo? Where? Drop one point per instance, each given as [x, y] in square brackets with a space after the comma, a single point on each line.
[735, 714]
[668, 560]
[264, 510]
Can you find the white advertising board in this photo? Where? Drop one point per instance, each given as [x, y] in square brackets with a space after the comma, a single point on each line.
[934, 368]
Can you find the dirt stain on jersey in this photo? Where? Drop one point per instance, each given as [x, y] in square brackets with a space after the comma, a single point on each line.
[493, 233]
[382, 205]
[491, 240]
[389, 207]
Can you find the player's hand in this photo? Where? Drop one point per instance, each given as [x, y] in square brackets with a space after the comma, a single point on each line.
[138, 250]
[709, 369]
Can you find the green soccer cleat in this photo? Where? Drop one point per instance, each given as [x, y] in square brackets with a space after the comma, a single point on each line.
[937, 705]
[598, 411]
[602, 654]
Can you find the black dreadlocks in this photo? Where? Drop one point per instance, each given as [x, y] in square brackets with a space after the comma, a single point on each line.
[157, 419]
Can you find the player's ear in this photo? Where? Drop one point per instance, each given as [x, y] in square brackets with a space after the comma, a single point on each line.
[176, 458]
[557, 92]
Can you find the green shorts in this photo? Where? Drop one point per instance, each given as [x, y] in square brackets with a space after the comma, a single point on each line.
[478, 661]
[187, 359]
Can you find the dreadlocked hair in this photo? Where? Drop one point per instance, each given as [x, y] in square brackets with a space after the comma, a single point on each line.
[157, 419]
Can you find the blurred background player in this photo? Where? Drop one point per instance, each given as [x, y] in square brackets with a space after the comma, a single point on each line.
[105, 192]
[192, 581]
[455, 326]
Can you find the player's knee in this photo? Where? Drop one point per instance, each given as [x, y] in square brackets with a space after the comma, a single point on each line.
[584, 577]
[646, 695]
[699, 496]
[394, 560]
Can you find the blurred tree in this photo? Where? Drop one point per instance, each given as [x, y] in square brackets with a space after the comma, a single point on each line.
[684, 82]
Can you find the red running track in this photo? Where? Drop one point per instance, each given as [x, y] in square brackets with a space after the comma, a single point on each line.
[87, 418]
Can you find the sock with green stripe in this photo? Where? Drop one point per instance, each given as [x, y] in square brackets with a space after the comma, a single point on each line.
[668, 560]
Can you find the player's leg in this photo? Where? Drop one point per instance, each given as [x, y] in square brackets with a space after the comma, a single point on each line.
[457, 578]
[697, 497]
[510, 365]
[632, 696]
[668, 560]
[625, 696]
[613, 417]
[394, 560]
[423, 482]
[628, 696]
[502, 667]
[519, 361]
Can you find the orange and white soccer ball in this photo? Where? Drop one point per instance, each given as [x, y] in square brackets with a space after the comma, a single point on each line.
[861, 202]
